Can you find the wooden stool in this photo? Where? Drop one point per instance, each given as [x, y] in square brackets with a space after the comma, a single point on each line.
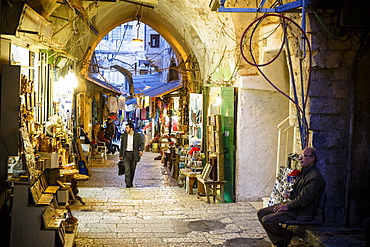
[190, 180]
[212, 186]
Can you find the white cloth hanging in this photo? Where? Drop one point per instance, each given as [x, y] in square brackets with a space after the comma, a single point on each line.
[112, 104]
[121, 103]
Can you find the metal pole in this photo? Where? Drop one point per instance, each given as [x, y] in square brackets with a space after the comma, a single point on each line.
[303, 43]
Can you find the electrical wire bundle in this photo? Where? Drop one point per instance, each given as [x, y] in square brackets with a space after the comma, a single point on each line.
[249, 40]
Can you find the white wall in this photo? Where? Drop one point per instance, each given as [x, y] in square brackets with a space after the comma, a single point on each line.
[260, 110]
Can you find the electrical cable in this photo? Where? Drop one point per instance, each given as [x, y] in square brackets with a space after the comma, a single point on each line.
[326, 28]
[120, 44]
[290, 63]
[257, 22]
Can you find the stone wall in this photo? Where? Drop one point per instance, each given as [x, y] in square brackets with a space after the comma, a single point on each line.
[338, 112]
[359, 189]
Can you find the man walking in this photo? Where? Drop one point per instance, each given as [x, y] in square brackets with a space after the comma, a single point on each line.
[302, 201]
[132, 146]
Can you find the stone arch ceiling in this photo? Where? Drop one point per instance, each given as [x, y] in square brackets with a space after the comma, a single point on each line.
[189, 26]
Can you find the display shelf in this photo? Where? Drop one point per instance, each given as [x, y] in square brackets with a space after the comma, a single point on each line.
[42, 193]
[45, 199]
[53, 218]
[51, 189]
[37, 225]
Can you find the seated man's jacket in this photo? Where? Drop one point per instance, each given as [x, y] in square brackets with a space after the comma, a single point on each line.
[306, 193]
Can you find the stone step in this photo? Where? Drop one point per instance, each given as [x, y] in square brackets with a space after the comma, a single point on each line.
[335, 237]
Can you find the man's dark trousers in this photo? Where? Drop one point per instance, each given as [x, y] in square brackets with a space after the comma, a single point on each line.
[130, 166]
[270, 221]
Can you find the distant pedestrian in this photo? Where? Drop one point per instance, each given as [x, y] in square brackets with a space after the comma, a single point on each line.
[132, 146]
[111, 129]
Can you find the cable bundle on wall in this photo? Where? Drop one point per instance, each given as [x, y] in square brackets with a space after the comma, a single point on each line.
[301, 108]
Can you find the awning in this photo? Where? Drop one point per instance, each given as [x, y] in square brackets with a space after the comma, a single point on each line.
[162, 88]
[131, 101]
[105, 85]
[143, 82]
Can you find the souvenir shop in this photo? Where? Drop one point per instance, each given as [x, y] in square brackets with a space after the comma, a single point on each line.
[203, 160]
[45, 161]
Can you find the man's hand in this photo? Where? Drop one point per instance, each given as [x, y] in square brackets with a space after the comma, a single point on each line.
[286, 195]
[141, 153]
[279, 208]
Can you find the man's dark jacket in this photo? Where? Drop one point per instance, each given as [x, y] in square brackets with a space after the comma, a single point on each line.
[110, 130]
[138, 145]
[306, 193]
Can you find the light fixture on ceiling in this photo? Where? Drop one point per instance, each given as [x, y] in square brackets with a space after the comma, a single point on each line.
[137, 40]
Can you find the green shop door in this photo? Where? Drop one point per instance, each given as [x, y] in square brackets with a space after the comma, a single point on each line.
[228, 129]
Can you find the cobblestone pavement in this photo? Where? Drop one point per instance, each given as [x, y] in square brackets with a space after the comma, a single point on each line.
[157, 212]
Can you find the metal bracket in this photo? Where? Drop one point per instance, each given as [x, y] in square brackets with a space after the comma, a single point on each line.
[289, 7]
[299, 6]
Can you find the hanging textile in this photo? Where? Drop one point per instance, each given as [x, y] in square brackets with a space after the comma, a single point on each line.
[139, 102]
[147, 101]
[112, 104]
[121, 103]
[143, 114]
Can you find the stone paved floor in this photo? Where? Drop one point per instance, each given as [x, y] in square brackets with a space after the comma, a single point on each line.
[155, 212]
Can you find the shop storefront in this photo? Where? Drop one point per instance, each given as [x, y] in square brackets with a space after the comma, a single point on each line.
[219, 135]
[38, 139]
[43, 169]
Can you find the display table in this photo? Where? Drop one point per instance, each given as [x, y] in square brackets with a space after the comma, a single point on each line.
[72, 176]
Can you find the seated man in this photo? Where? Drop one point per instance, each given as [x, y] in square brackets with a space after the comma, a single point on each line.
[101, 138]
[302, 200]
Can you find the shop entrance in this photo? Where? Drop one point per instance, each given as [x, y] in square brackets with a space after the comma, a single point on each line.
[220, 104]
[228, 128]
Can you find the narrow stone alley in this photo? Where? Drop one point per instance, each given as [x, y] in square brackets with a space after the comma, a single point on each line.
[156, 212]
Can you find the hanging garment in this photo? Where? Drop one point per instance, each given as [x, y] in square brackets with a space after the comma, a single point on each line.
[147, 101]
[139, 102]
[121, 103]
[143, 114]
[112, 104]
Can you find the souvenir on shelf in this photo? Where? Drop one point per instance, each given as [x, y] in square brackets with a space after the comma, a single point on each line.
[28, 156]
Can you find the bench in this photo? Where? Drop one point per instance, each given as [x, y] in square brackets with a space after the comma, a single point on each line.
[210, 188]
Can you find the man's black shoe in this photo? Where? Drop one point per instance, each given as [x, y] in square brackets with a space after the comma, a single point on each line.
[281, 244]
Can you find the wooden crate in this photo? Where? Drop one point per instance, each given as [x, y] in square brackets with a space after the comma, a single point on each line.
[218, 122]
[220, 167]
[218, 141]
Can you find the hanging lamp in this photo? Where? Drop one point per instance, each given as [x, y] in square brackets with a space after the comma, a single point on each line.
[137, 40]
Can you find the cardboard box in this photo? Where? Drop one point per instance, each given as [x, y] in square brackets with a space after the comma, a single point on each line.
[52, 159]
[63, 196]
